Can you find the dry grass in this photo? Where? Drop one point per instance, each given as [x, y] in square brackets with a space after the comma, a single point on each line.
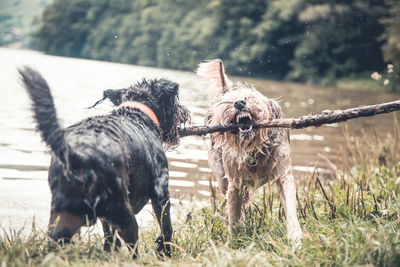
[350, 220]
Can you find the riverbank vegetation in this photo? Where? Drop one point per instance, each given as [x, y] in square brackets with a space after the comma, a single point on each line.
[320, 42]
[350, 219]
[16, 20]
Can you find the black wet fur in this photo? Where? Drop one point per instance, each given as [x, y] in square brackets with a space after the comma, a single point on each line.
[110, 166]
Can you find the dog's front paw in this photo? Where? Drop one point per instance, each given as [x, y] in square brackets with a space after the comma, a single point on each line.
[162, 248]
[295, 237]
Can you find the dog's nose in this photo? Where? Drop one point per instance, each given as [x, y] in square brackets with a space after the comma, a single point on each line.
[240, 104]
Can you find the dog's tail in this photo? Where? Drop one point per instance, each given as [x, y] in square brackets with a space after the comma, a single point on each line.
[44, 111]
[215, 72]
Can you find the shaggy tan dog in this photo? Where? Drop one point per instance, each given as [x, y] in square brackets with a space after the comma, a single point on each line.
[246, 159]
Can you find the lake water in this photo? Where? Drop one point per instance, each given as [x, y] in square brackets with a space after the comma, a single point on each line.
[77, 84]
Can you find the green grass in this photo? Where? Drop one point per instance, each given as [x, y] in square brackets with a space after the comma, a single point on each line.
[362, 84]
[350, 220]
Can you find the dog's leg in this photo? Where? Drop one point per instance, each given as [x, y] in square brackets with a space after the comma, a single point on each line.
[235, 205]
[288, 198]
[161, 206]
[216, 165]
[109, 235]
[287, 190]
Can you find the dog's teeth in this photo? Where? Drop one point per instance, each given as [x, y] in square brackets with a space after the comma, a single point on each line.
[243, 116]
[246, 130]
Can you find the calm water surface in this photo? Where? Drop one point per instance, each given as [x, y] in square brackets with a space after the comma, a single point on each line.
[77, 84]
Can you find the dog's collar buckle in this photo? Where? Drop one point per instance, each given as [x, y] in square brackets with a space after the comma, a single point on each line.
[143, 108]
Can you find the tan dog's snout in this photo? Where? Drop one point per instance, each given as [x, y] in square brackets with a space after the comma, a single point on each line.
[240, 104]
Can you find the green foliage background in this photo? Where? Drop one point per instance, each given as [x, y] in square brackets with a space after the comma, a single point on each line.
[314, 41]
[16, 19]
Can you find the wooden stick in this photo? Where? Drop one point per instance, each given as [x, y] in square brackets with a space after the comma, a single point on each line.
[327, 117]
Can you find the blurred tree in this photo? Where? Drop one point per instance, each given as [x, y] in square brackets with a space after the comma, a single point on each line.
[188, 36]
[302, 40]
[151, 25]
[62, 28]
[341, 38]
[234, 20]
[128, 30]
[391, 35]
[276, 37]
[131, 47]
[6, 27]
[104, 18]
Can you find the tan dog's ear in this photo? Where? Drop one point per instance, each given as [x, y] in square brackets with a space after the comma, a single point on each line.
[214, 71]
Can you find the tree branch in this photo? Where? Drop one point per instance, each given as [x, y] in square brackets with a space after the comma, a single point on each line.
[327, 117]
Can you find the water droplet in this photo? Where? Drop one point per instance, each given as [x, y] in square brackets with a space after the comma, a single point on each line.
[327, 149]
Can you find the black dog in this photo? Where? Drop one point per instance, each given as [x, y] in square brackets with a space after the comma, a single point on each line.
[109, 166]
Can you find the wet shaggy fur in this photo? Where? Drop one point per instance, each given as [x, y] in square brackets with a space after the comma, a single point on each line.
[109, 166]
[246, 159]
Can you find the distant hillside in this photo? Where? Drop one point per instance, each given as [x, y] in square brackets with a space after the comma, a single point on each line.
[16, 18]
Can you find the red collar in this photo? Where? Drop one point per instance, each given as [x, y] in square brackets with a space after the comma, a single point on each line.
[143, 108]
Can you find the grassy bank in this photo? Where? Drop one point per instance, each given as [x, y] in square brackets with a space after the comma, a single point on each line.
[361, 84]
[352, 219]
[386, 80]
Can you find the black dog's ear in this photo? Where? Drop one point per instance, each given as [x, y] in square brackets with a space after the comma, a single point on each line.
[173, 87]
[115, 96]
[169, 88]
[163, 87]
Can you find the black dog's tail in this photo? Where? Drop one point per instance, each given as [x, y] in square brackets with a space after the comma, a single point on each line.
[44, 111]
